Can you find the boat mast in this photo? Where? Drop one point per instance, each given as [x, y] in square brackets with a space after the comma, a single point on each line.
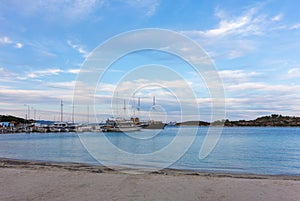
[88, 113]
[117, 104]
[73, 113]
[153, 106]
[133, 105]
[61, 111]
[139, 104]
[124, 108]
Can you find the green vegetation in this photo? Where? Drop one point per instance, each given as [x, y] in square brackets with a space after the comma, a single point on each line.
[273, 120]
[270, 121]
[9, 118]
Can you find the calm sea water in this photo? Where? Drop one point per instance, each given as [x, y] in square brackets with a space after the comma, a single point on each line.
[240, 150]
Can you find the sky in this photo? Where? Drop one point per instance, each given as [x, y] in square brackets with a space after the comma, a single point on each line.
[254, 46]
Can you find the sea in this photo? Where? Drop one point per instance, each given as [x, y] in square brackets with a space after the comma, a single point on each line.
[241, 150]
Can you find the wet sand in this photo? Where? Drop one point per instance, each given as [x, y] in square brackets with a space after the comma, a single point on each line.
[26, 180]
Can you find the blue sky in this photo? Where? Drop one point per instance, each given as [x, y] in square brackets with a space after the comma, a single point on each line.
[255, 46]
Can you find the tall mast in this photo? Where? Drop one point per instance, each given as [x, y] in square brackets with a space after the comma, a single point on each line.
[117, 104]
[139, 104]
[73, 120]
[88, 113]
[61, 111]
[28, 116]
[124, 108]
[133, 108]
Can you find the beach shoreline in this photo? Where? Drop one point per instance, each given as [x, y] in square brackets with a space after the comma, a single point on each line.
[31, 180]
[56, 166]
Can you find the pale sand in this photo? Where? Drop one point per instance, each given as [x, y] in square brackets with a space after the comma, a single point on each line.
[23, 180]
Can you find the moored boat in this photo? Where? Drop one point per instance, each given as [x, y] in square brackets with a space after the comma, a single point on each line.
[119, 125]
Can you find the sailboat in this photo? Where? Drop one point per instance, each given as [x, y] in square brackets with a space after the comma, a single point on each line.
[120, 124]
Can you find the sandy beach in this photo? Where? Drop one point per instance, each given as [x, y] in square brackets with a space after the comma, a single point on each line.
[26, 180]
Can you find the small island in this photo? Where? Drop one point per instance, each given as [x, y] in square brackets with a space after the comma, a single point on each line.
[274, 120]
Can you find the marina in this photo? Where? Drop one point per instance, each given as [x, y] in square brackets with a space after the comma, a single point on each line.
[112, 124]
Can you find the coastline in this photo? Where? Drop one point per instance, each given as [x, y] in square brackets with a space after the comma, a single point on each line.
[28, 180]
[182, 125]
[57, 166]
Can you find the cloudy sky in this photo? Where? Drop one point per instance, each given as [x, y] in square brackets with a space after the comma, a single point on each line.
[254, 45]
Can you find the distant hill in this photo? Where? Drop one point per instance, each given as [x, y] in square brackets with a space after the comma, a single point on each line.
[273, 120]
[193, 123]
[270, 121]
[9, 118]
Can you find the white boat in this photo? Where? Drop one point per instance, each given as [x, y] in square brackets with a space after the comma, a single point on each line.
[119, 125]
[88, 128]
[59, 127]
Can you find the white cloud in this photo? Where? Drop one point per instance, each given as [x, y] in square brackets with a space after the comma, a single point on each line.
[226, 27]
[151, 84]
[7, 76]
[149, 6]
[67, 10]
[78, 48]
[61, 85]
[4, 72]
[234, 35]
[42, 99]
[296, 26]
[237, 74]
[240, 48]
[258, 105]
[258, 86]
[152, 8]
[277, 17]
[249, 23]
[18, 45]
[51, 72]
[294, 72]
[42, 73]
[7, 41]
[75, 8]
[73, 71]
